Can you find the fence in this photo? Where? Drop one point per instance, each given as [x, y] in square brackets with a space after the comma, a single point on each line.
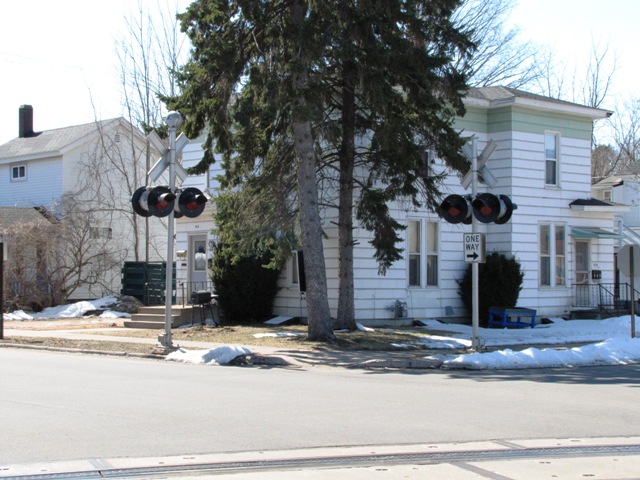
[611, 298]
[185, 289]
[145, 281]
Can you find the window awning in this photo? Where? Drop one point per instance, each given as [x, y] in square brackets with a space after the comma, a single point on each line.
[592, 232]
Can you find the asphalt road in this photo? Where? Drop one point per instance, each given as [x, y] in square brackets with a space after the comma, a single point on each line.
[61, 406]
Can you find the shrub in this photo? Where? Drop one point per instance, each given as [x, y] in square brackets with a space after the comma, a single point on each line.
[500, 282]
[245, 288]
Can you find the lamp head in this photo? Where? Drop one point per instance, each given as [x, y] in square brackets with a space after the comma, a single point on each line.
[173, 120]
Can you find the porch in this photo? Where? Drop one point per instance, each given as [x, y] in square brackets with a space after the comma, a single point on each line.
[602, 299]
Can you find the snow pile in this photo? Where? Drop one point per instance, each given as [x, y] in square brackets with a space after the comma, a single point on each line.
[74, 310]
[612, 344]
[560, 332]
[218, 356]
[617, 351]
[279, 334]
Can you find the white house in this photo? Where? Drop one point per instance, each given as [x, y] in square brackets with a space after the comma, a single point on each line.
[622, 189]
[562, 237]
[101, 164]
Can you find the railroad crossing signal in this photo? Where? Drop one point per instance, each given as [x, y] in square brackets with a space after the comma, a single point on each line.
[486, 207]
[161, 201]
[153, 201]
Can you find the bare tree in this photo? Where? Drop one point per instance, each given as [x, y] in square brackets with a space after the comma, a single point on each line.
[49, 261]
[563, 80]
[149, 54]
[502, 57]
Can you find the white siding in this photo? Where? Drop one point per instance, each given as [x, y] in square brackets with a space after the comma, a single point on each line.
[518, 164]
[42, 187]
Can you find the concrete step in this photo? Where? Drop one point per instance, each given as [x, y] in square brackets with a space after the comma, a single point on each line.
[154, 317]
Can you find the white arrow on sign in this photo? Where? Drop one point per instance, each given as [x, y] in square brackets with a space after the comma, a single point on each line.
[162, 164]
[483, 170]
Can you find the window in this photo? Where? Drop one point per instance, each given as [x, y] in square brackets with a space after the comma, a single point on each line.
[101, 232]
[413, 249]
[18, 173]
[200, 255]
[422, 253]
[432, 254]
[561, 274]
[297, 271]
[552, 255]
[551, 158]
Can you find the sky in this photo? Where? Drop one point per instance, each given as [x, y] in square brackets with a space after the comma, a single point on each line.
[605, 342]
[60, 56]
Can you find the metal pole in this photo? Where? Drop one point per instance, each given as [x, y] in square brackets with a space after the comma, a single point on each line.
[633, 292]
[475, 274]
[174, 120]
[1, 288]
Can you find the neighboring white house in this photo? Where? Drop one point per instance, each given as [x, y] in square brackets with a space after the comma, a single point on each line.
[622, 189]
[562, 237]
[101, 163]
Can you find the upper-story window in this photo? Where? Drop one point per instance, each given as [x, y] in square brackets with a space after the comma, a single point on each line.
[18, 173]
[552, 158]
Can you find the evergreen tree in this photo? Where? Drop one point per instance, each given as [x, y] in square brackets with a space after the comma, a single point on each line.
[350, 92]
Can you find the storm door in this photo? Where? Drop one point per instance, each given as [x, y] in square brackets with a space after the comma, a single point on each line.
[198, 272]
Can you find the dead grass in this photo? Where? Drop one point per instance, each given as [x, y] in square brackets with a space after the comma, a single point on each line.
[84, 345]
[249, 335]
[259, 335]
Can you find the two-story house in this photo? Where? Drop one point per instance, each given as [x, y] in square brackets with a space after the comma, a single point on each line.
[561, 236]
[83, 176]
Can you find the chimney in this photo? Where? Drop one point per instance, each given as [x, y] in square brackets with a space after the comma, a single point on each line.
[25, 127]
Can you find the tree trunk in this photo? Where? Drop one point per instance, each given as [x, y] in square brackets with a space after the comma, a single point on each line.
[319, 316]
[346, 309]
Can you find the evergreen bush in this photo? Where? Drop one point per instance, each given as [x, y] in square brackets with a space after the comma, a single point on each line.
[500, 282]
[245, 287]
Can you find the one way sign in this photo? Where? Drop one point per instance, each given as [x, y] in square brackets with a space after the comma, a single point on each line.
[474, 247]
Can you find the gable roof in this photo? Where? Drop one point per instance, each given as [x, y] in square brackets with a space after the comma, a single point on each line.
[10, 216]
[503, 96]
[615, 181]
[50, 142]
[597, 205]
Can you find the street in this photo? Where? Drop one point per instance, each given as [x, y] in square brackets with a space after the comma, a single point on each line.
[62, 406]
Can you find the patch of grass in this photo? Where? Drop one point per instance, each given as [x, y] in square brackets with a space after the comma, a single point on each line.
[247, 335]
[91, 345]
[379, 339]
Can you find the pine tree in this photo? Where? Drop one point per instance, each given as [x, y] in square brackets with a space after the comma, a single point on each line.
[350, 92]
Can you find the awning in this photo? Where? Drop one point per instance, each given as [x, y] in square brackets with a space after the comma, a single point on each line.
[593, 232]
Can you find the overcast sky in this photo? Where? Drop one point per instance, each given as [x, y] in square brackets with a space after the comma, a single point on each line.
[59, 55]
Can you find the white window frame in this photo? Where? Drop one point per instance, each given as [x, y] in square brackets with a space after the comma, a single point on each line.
[556, 258]
[549, 159]
[297, 270]
[17, 168]
[422, 253]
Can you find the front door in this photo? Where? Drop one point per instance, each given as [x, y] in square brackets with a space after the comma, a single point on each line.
[198, 275]
[582, 262]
